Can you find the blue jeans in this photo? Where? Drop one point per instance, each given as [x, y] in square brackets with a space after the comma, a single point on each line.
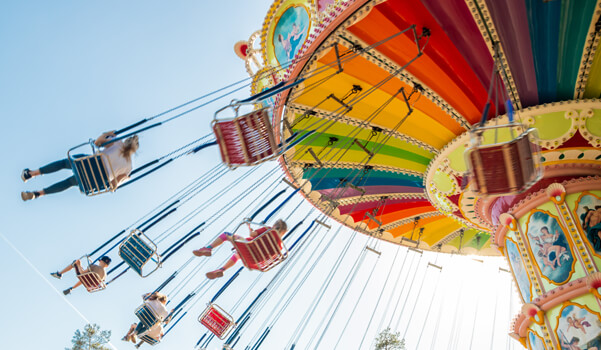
[140, 328]
[57, 166]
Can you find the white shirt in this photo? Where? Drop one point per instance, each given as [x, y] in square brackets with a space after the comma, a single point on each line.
[118, 163]
[154, 331]
[99, 270]
[159, 309]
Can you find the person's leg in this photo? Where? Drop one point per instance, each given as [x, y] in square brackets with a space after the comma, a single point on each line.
[129, 332]
[219, 272]
[207, 251]
[59, 186]
[51, 167]
[140, 328]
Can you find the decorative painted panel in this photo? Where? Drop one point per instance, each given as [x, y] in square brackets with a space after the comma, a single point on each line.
[549, 246]
[517, 267]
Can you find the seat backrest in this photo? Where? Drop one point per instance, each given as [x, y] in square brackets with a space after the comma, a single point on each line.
[216, 320]
[91, 281]
[91, 174]
[137, 250]
[263, 252]
[246, 140]
[147, 316]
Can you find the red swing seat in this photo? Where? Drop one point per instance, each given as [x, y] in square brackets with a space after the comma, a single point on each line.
[91, 281]
[505, 168]
[262, 252]
[246, 140]
[217, 320]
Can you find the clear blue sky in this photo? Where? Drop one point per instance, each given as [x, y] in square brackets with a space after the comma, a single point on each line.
[70, 70]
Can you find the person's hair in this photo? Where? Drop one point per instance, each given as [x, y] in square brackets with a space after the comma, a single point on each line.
[280, 226]
[130, 146]
[597, 206]
[158, 296]
[106, 260]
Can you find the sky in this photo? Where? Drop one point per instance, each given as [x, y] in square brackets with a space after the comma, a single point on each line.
[71, 70]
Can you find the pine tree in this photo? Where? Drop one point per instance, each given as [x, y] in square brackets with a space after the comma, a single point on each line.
[92, 338]
[387, 340]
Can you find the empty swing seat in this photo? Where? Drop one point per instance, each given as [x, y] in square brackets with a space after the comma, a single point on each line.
[505, 168]
[92, 172]
[246, 140]
[263, 252]
[146, 315]
[137, 250]
[91, 281]
[217, 320]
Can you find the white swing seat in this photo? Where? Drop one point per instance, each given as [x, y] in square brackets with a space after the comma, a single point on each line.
[91, 172]
[137, 250]
[147, 316]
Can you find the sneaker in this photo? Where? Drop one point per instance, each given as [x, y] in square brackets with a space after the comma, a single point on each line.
[214, 274]
[202, 252]
[25, 196]
[25, 175]
[67, 291]
[125, 338]
[56, 275]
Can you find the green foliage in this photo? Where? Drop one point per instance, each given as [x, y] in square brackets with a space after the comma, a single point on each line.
[387, 340]
[92, 338]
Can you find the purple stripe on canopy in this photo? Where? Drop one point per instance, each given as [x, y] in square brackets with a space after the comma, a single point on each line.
[369, 190]
[456, 20]
[345, 209]
[511, 20]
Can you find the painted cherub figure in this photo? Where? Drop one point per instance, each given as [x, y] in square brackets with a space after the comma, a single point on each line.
[551, 253]
[578, 323]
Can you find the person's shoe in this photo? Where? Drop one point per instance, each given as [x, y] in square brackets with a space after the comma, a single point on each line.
[125, 338]
[202, 252]
[25, 175]
[56, 275]
[133, 338]
[214, 274]
[67, 291]
[26, 196]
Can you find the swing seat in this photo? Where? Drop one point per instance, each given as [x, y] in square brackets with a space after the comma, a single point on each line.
[505, 168]
[217, 320]
[137, 250]
[92, 174]
[91, 281]
[149, 340]
[246, 140]
[146, 315]
[263, 252]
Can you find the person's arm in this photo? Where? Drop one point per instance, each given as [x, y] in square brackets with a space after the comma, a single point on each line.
[104, 138]
[168, 318]
[118, 180]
